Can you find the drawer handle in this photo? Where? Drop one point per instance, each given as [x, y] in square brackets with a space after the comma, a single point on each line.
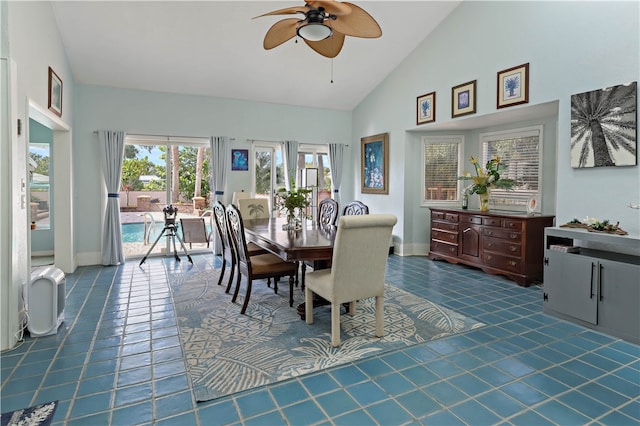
[514, 236]
[489, 232]
[452, 227]
[452, 250]
[489, 257]
[513, 263]
[513, 248]
[489, 244]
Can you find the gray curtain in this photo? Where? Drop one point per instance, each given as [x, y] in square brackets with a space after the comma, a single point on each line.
[112, 151]
[336, 158]
[291, 159]
[219, 155]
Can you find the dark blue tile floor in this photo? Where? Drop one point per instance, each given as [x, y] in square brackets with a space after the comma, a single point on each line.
[117, 360]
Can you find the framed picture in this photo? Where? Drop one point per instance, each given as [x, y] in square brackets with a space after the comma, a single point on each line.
[374, 153]
[240, 159]
[463, 99]
[426, 108]
[604, 127]
[513, 86]
[55, 93]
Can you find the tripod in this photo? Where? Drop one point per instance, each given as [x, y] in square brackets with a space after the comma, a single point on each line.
[170, 213]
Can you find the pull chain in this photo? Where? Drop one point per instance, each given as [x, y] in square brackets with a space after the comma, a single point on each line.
[331, 70]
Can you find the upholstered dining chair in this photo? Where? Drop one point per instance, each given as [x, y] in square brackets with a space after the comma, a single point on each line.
[327, 212]
[254, 208]
[357, 269]
[239, 195]
[355, 208]
[260, 266]
[228, 255]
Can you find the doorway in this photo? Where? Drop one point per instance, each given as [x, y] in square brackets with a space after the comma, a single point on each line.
[268, 171]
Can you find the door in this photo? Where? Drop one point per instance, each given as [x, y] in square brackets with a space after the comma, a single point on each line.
[470, 243]
[618, 298]
[268, 171]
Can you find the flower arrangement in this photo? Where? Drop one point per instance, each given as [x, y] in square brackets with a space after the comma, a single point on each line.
[296, 198]
[487, 178]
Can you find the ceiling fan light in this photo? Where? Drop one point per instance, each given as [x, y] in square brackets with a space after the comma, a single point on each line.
[314, 31]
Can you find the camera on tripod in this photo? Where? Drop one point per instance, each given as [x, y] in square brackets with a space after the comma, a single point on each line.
[170, 214]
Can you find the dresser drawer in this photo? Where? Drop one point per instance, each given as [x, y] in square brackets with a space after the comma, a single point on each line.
[448, 249]
[502, 233]
[445, 226]
[502, 246]
[492, 221]
[477, 220]
[449, 237]
[450, 217]
[500, 261]
[512, 224]
[437, 215]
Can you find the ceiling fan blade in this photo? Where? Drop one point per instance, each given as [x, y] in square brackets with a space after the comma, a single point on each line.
[356, 24]
[280, 32]
[329, 47]
[286, 11]
[332, 7]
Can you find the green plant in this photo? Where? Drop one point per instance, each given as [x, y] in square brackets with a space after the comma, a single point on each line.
[488, 177]
[296, 198]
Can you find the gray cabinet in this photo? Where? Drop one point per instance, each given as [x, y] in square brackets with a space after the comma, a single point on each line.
[599, 286]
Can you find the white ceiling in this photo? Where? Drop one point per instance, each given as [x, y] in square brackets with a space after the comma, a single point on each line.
[214, 48]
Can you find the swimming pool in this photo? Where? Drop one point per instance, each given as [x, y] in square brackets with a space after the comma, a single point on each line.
[134, 232]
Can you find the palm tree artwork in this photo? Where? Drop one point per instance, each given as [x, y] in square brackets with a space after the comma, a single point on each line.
[254, 209]
[603, 127]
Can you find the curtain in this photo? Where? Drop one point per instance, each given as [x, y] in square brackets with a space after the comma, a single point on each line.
[336, 158]
[219, 154]
[112, 151]
[291, 159]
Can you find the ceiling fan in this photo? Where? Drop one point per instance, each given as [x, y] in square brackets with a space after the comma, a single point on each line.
[324, 26]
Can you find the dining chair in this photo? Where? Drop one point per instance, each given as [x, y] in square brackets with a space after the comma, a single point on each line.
[357, 269]
[260, 266]
[239, 195]
[228, 255]
[194, 230]
[327, 212]
[254, 208]
[355, 208]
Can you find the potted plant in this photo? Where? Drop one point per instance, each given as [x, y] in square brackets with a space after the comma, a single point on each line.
[486, 179]
[294, 201]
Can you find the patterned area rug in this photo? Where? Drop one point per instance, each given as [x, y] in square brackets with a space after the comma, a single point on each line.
[38, 415]
[227, 352]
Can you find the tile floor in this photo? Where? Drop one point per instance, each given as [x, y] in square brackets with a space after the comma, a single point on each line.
[117, 360]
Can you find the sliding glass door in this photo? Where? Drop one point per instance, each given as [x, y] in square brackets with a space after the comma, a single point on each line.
[268, 170]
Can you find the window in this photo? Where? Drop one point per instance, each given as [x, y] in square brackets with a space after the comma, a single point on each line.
[316, 156]
[441, 168]
[521, 151]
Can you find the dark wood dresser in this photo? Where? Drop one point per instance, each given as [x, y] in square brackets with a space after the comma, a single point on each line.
[498, 243]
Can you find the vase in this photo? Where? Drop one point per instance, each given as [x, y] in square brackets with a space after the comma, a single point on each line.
[484, 201]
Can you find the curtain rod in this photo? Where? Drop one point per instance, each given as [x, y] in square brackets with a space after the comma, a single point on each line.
[264, 140]
[167, 136]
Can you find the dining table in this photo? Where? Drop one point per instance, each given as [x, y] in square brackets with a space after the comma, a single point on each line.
[311, 243]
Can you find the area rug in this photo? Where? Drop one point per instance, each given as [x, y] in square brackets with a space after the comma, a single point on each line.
[227, 352]
[38, 415]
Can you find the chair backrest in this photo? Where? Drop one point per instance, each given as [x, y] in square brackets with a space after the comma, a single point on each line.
[194, 230]
[254, 208]
[355, 208]
[239, 195]
[360, 255]
[237, 237]
[220, 218]
[327, 212]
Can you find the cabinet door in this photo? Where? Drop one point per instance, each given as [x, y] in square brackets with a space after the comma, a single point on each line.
[570, 284]
[470, 242]
[619, 297]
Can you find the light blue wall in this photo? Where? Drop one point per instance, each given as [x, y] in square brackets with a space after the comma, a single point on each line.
[572, 47]
[141, 112]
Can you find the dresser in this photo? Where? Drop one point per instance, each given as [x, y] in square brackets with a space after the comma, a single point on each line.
[498, 243]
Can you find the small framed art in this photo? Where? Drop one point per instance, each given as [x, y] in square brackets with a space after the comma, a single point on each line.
[240, 159]
[426, 108]
[463, 99]
[513, 86]
[55, 93]
[374, 153]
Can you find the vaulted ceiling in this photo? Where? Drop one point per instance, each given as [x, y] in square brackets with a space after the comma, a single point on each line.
[214, 48]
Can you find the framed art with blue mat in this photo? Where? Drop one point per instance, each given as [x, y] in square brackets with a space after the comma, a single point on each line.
[38, 415]
[240, 159]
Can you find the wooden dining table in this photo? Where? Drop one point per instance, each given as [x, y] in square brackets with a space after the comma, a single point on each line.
[312, 243]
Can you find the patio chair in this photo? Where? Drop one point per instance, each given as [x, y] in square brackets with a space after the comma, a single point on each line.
[194, 230]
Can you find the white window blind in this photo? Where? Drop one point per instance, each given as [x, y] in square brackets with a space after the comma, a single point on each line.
[441, 168]
[521, 151]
